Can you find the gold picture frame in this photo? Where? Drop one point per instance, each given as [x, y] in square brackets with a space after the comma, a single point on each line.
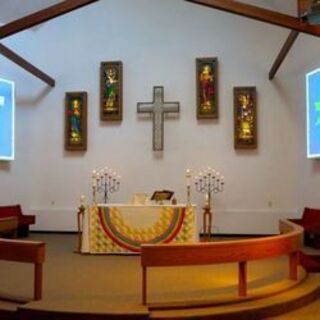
[245, 117]
[75, 137]
[111, 91]
[207, 88]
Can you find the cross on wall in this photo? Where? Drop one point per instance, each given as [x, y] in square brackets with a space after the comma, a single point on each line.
[158, 108]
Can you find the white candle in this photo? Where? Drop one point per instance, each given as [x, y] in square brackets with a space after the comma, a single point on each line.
[82, 199]
[188, 176]
[207, 198]
[94, 177]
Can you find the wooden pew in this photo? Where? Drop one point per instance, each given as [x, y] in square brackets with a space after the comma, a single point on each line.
[241, 251]
[26, 251]
[23, 220]
[8, 227]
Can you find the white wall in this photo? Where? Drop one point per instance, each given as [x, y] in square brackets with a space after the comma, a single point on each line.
[158, 41]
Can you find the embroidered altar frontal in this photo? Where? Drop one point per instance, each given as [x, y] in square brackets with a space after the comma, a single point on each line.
[122, 229]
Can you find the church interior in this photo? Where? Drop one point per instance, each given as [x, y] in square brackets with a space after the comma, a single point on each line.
[159, 159]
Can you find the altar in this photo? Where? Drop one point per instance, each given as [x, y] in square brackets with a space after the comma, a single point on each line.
[121, 229]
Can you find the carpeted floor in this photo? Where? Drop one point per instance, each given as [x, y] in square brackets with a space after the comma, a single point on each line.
[89, 282]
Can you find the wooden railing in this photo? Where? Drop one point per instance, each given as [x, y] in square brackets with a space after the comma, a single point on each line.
[289, 241]
[26, 251]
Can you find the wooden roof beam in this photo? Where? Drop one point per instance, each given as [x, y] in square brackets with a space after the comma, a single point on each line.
[42, 16]
[260, 14]
[283, 53]
[8, 53]
[303, 6]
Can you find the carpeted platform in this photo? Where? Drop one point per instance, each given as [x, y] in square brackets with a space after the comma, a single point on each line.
[111, 285]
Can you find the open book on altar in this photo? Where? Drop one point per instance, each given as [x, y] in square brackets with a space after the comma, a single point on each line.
[157, 196]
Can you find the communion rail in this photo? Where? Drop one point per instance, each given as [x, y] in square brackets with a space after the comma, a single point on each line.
[289, 241]
[29, 252]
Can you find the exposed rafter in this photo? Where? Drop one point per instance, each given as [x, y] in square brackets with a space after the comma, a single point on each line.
[283, 53]
[261, 14]
[31, 21]
[273, 17]
[8, 53]
[42, 16]
[302, 7]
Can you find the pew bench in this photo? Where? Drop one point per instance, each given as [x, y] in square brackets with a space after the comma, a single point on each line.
[28, 252]
[8, 227]
[289, 242]
[24, 221]
[310, 221]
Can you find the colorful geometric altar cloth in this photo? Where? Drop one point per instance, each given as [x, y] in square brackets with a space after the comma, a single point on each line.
[123, 228]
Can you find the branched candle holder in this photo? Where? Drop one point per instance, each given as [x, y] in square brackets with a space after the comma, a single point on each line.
[208, 182]
[105, 181]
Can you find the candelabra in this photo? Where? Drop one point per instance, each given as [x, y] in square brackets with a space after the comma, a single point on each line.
[208, 182]
[105, 181]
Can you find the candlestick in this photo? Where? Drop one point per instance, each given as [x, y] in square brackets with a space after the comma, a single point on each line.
[82, 200]
[94, 177]
[208, 182]
[94, 190]
[206, 198]
[80, 215]
[188, 177]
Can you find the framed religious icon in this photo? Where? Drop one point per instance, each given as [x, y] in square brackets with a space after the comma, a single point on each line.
[207, 88]
[75, 121]
[111, 91]
[245, 117]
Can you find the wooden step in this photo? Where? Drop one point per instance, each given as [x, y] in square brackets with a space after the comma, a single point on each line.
[284, 302]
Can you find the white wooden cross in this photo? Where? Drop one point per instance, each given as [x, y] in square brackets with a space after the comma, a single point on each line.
[158, 108]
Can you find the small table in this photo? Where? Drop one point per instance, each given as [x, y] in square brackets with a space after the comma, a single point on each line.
[9, 226]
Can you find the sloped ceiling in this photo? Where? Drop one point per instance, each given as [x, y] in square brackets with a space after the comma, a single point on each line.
[283, 6]
[13, 9]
